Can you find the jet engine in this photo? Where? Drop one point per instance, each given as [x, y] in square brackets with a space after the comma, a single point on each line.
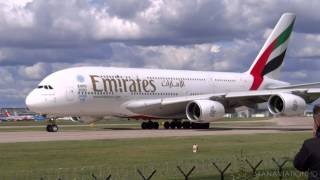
[286, 104]
[204, 111]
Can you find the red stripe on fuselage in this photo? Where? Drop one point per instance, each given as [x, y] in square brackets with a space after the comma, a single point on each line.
[256, 71]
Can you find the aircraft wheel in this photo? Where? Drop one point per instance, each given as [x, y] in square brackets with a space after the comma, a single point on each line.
[200, 125]
[156, 125]
[166, 125]
[144, 125]
[206, 126]
[173, 125]
[54, 128]
[49, 128]
[149, 124]
[195, 125]
[178, 124]
[186, 125]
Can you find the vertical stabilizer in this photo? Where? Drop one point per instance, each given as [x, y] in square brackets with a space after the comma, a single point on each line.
[270, 58]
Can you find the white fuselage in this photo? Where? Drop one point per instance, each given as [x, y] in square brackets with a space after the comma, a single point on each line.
[102, 91]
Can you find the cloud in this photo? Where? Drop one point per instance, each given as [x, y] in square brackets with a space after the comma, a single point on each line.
[107, 27]
[125, 9]
[36, 71]
[308, 45]
[6, 77]
[61, 24]
[50, 23]
[208, 56]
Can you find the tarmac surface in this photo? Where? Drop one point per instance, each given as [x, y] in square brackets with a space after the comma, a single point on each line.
[282, 125]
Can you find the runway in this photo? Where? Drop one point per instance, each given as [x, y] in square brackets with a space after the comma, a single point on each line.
[280, 125]
[38, 136]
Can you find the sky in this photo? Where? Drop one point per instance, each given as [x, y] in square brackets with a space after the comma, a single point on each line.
[38, 37]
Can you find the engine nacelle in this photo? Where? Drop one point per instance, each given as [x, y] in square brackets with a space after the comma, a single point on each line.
[204, 111]
[286, 104]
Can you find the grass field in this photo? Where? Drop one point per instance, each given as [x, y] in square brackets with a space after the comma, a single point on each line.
[121, 158]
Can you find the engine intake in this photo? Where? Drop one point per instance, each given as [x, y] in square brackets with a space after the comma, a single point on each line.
[286, 104]
[204, 111]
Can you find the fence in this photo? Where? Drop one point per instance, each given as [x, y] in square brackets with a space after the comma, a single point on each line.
[237, 167]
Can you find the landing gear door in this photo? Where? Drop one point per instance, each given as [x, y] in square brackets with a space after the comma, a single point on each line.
[70, 94]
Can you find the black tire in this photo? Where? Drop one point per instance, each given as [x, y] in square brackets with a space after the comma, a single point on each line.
[166, 125]
[206, 126]
[149, 124]
[178, 124]
[144, 125]
[173, 125]
[155, 125]
[49, 128]
[186, 125]
[54, 128]
[200, 125]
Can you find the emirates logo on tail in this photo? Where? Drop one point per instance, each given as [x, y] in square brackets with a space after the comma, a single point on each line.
[271, 56]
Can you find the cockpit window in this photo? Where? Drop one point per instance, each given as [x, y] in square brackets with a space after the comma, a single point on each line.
[45, 87]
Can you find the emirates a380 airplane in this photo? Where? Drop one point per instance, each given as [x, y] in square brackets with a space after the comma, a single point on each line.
[198, 96]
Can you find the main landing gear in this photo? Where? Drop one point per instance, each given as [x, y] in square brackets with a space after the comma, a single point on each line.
[175, 124]
[185, 125]
[150, 125]
[52, 126]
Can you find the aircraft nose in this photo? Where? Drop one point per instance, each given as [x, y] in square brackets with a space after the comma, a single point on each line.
[32, 101]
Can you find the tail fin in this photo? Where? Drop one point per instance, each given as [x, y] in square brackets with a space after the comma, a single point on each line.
[270, 58]
[7, 114]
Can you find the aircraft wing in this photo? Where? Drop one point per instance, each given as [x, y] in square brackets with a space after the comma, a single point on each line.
[176, 106]
[307, 85]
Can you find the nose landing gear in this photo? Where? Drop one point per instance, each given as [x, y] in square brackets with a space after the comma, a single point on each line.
[52, 126]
